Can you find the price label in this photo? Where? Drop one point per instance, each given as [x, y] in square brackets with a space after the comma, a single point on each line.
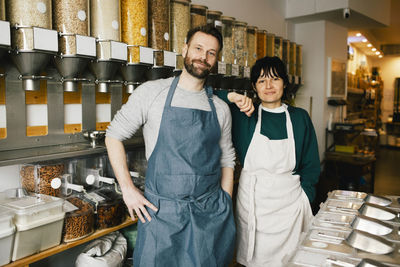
[221, 68]
[235, 70]
[246, 72]
[85, 45]
[5, 37]
[45, 39]
[119, 50]
[169, 59]
[146, 55]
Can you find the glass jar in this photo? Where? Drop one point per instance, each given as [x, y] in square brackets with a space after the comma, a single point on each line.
[292, 59]
[134, 29]
[159, 24]
[261, 43]
[278, 47]
[180, 24]
[35, 13]
[270, 44]
[240, 42]
[214, 19]
[71, 16]
[2, 10]
[105, 19]
[227, 53]
[198, 16]
[251, 45]
[286, 52]
[299, 60]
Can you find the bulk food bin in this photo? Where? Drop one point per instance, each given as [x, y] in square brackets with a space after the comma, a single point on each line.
[79, 218]
[39, 220]
[7, 231]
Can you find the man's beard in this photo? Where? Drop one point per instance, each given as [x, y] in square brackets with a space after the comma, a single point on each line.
[194, 71]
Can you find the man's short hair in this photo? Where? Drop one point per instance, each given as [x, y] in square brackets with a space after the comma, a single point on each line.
[207, 29]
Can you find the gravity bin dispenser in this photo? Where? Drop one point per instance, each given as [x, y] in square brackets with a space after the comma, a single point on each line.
[5, 40]
[111, 55]
[32, 48]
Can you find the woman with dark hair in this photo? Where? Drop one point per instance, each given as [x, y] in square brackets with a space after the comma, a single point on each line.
[278, 150]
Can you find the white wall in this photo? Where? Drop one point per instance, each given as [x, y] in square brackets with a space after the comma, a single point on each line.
[265, 14]
[320, 39]
[389, 70]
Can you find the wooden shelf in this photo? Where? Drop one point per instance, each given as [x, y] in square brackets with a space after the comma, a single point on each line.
[64, 246]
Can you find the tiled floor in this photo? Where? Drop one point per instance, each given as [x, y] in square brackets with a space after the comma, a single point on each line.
[387, 172]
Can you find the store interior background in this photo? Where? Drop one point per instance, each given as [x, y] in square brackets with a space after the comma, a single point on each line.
[319, 26]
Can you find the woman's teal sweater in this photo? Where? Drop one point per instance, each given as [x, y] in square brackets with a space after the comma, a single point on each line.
[307, 157]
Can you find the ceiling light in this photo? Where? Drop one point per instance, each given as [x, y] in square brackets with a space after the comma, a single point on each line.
[377, 52]
[373, 49]
[369, 45]
[380, 56]
[364, 40]
[358, 34]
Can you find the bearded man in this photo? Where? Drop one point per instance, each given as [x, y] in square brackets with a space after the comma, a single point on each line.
[185, 215]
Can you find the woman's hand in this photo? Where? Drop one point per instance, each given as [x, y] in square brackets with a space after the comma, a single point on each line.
[244, 103]
[135, 201]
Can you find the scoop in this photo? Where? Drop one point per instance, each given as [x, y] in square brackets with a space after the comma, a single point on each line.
[370, 243]
[377, 212]
[371, 225]
[378, 200]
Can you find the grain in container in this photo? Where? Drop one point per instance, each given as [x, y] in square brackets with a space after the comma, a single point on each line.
[39, 220]
[159, 24]
[180, 24]
[35, 13]
[2, 10]
[227, 52]
[240, 42]
[79, 218]
[198, 16]
[111, 209]
[251, 45]
[261, 44]
[134, 26]
[7, 231]
[105, 19]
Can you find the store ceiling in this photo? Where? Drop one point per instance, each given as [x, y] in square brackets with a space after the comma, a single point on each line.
[384, 39]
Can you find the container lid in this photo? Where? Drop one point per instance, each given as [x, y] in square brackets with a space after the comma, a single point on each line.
[198, 7]
[214, 12]
[252, 28]
[240, 23]
[261, 31]
[186, 2]
[31, 204]
[5, 214]
[227, 18]
[270, 34]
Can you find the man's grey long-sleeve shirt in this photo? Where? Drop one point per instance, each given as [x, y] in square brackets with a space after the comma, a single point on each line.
[146, 105]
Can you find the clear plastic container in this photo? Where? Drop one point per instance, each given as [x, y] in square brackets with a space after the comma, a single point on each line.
[2, 10]
[180, 24]
[35, 217]
[111, 210]
[270, 44]
[79, 219]
[105, 19]
[214, 18]
[7, 231]
[159, 20]
[251, 45]
[261, 44]
[41, 177]
[292, 59]
[278, 47]
[71, 16]
[299, 60]
[227, 52]
[240, 42]
[286, 52]
[198, 16]
[29, 13]
[134, 26]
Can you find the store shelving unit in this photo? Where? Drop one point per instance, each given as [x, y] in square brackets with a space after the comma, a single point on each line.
[64, 246]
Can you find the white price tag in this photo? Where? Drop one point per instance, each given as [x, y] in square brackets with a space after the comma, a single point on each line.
[119, 50]
[146, 55]
[246, 72]
[169, 59]
[235, 70]
[85, 45]
[45, 39]
[95, 197]
[5, 37]
[68, 206]
[221, 68]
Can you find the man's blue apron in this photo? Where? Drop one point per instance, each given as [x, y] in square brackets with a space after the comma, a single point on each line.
[194, 224]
